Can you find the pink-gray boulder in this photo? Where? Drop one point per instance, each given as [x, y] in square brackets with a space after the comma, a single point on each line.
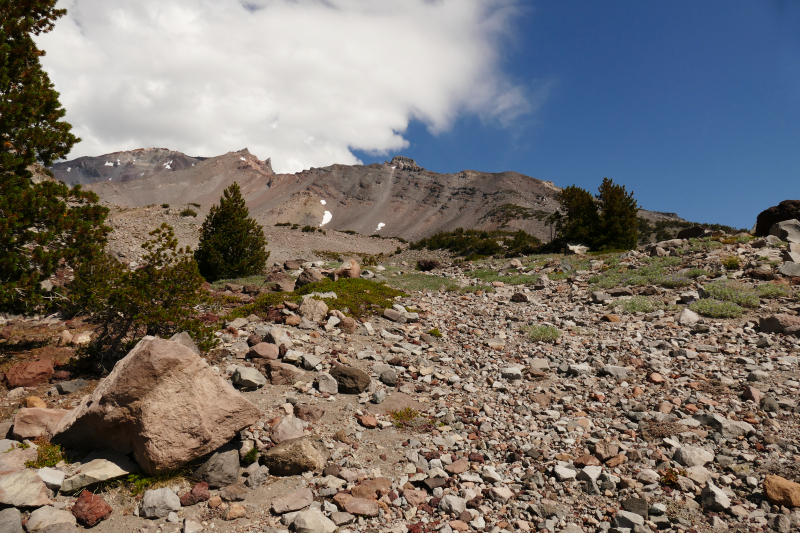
[163, 403]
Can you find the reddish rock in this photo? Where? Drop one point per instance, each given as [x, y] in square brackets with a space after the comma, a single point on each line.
[610, 318]
[61, 375]
[363, 491]
[309, 413]
[292, 320]
[616, 460]
[459, 525]
[29, 374]
[655, 377]
[780, 491]
[605, 450]
[786, 210]
[362, 507]
[348, 325]
[34, 422]
[415, 498]
[586, 460]
[368, 421]
[263, 350]
[90, 509]
[457, 467]
[752, 393]
[281, 373]
[199, 493]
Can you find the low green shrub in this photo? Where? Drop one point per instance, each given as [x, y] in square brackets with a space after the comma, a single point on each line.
[771, 290]
[435, 333]
[716, 308]
[732, 291]
[188, 213]
[165, 206]
[47, 454]
[731, 262]
[283, 224]
[477, 244]
[543, 333]
[639, 304]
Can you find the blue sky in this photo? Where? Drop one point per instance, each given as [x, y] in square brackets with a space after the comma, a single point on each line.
[695, 106]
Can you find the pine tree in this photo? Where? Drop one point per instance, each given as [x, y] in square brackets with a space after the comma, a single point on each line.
[578, 219]
[46, 223]
[619, 226]
[232, 245]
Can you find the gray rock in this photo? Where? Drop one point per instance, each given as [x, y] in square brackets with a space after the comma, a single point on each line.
[627, 519]
[728, 428]
[714, 499]
[48, 516]
[185, 339]
[312, 521]
[23, 489]
[327, 383]
[394, 316]
[159, 503]
[11, 521]
[636, 505]
[98, 467]
[310, 362]
[248, 378]
[687, 317]
[693, 456]
[257, 478]
[787, 230]
[790, 269]
[378, 396]
[221, 469]
[52, 478]
[511, 373]
[351, 380]
[313, 310]
[68, 387]
[293, 502]
[453, 504]
[389, 377]
[619, 372]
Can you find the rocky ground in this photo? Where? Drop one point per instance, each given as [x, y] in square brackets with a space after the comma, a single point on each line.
[547, 397]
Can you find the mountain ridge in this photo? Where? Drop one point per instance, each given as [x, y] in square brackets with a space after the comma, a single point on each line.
[395, 198]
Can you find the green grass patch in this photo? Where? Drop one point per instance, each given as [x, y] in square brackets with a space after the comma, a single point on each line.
[47, 454]
[653, 273]
[488, 276]
[639, 304]
[435, 333]
[417, 281]
[251, 456]
[716, 308]
[249, 280]
[732, 291]
[357, 298]
[139, 482]
[695, 273]
[188, 213]
[542, 333]
[771, 290]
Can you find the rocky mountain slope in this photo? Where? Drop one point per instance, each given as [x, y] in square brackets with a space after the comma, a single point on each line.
[396, 198]
[577, 395]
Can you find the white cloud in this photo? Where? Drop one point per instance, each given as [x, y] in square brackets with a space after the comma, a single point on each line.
[301, 81]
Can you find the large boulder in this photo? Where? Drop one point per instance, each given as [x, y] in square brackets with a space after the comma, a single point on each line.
[351, 380]
[691, 233]
[293, 457]
[309, 275]
[163, 403]
[787, 230]
[34, 422]
[778, 323]
[786, 210]
[349, 269]
[30, 374]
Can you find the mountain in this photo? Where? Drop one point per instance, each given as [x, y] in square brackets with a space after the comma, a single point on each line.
[396, 198]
